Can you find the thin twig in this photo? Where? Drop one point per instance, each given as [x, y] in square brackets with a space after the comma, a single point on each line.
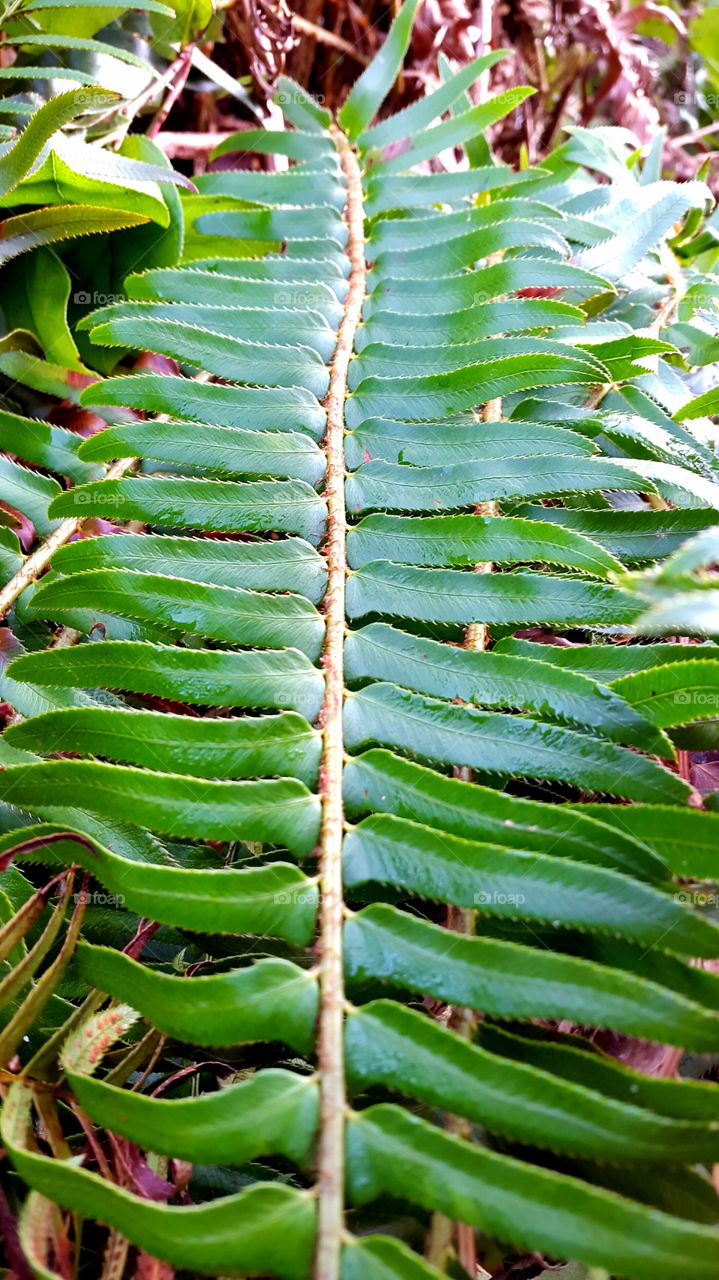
[185, 146]
[322, 36]
[68, 529]
[40, 559]
[685, 139]
[131, 109]
[184, 65]
[486, 29]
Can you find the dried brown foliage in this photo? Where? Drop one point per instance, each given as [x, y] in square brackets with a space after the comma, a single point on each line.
[590, 61]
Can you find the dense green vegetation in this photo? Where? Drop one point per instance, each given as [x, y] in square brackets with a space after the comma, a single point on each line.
[358, 555]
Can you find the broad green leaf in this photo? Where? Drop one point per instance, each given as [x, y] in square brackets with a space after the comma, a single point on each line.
[32, 371]
[49, 226]
[264, 746]
[377, 1257]
[406, 123]
[629, 535]
[380, 782]
[705, 405]
[464, 250]
[26, 72]
[674, 694]
[495, 680]
[222, 450]
[44, 445]
[299, 106]
[508, 980]
[402, 1155]
[289, 565]
[469, 288]
[486, 319]
[519, 884]
[298, 186]
[296, 145]
[466, 540]
[285, 327]
[453, 595]
[566, 1058]
[87, 46]
[668, 479]
[277, 900]
[206, 677]
[230, 614]
[386, 485]
[685, 839]
[401, 1049]
[30, 493]
[493, 742]
[94, 10]
[264, 1225]
[425, 232]
[293, 290]
[38, 289]
[274, 1111]
[694, 612]
[663, 204]
[419, 190]
[276, 226]
[231, 358]
[428, 443]
[387, 360]
[621, 356]
[271, 999]
[47, 120]
[445, 393]
[699, 553]
[455, 131]
[511, 981]
[277, 408]
[370, 90]
[280, 811]
[288, 506]
[11, 557]
[607, 662]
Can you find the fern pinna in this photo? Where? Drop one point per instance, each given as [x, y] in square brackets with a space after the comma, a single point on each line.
[381, 841]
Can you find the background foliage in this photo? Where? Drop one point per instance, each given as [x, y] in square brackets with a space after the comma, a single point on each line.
[530, 788]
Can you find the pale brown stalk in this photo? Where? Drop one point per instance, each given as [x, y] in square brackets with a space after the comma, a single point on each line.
[330, 1172]
[186, 145]
[324, 36]
[462, 920]
[41, 557]
[39, 560]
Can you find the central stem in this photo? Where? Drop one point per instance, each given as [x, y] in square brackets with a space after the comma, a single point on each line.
[330, 1175]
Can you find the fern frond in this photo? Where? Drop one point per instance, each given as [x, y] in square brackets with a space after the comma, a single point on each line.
[271, 741]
